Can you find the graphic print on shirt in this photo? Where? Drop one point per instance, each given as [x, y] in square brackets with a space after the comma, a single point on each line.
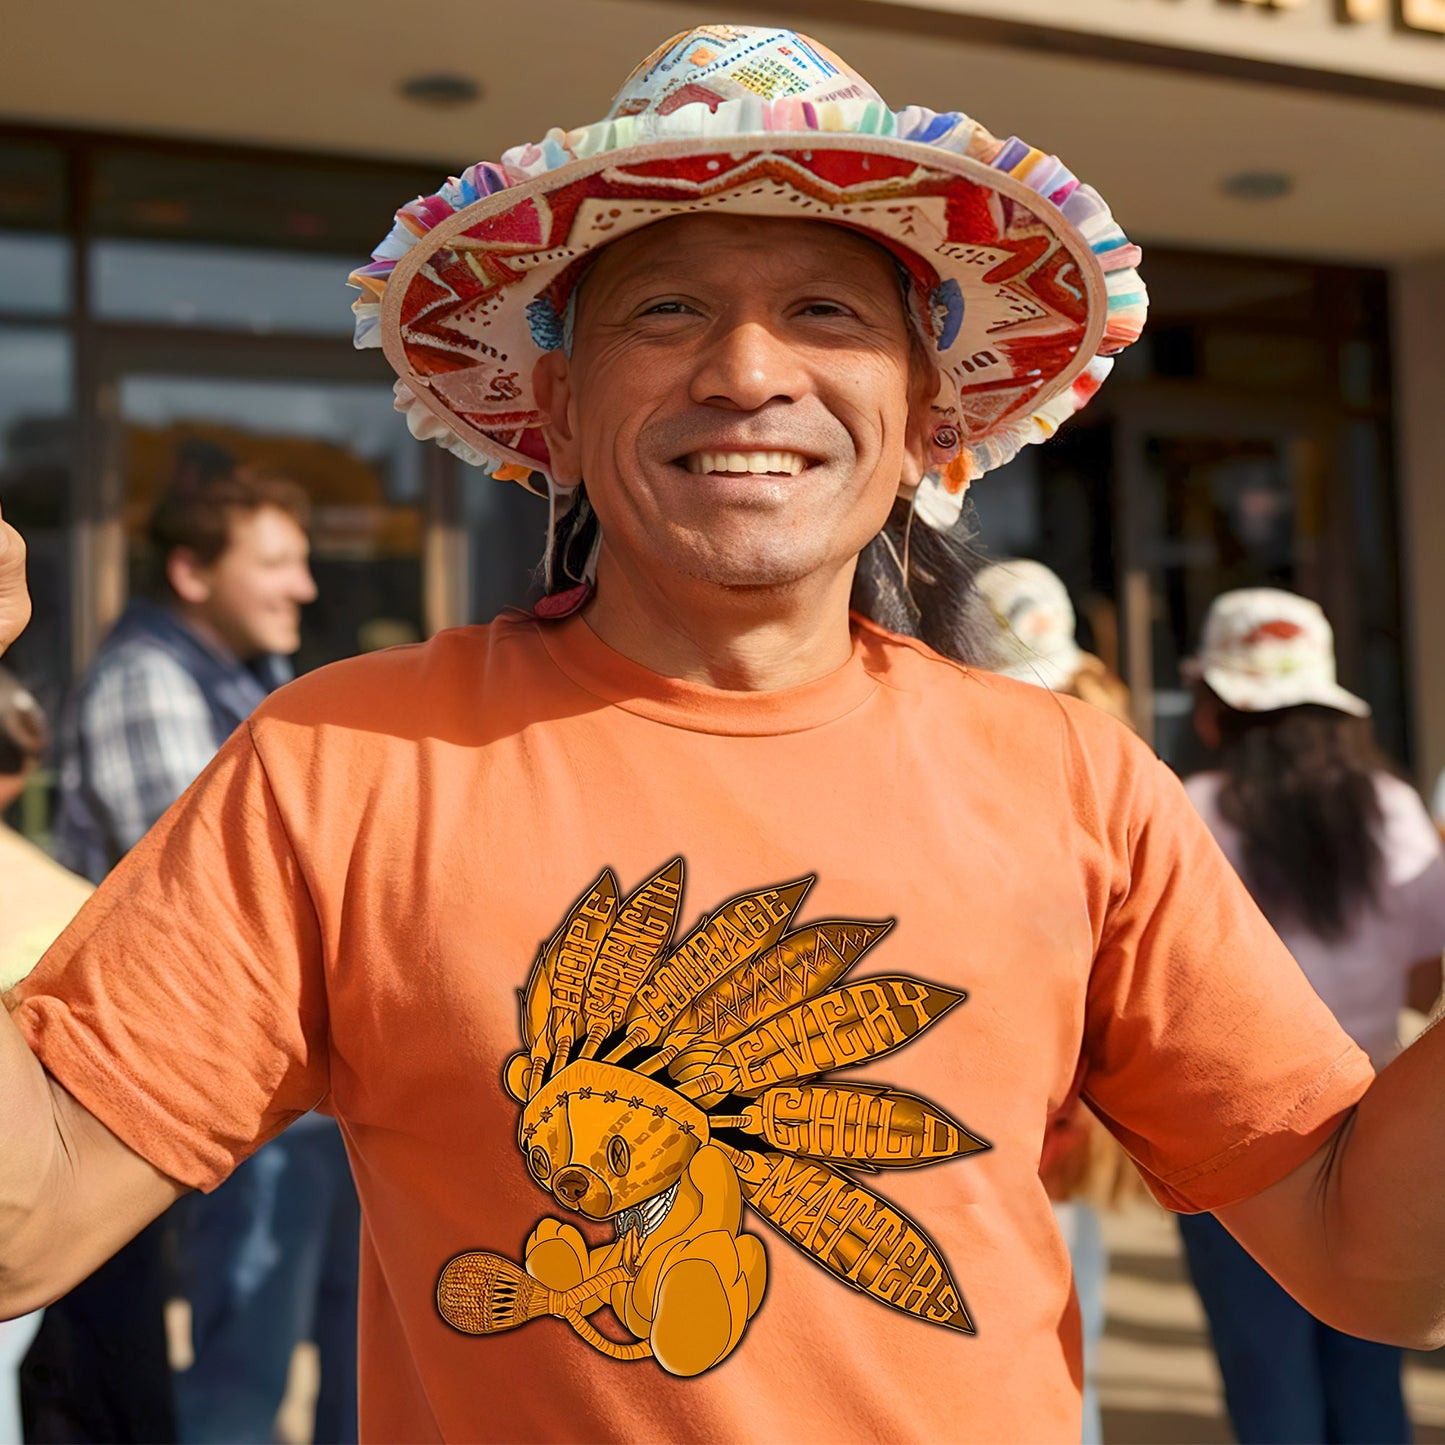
[663, 1089]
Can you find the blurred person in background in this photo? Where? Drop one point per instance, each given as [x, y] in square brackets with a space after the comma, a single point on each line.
[271, 1258]
[183, 667]
[1342, 858]
[37, 899]
[37, 896]
[1020, 623]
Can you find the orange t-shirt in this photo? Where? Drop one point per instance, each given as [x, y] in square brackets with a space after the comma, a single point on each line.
[343, 909]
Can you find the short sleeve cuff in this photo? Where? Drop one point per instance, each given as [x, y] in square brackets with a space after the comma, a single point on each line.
[1251, 1165]
[72, 1057]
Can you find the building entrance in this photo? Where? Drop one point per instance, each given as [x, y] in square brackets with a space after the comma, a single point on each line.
[1246, 444]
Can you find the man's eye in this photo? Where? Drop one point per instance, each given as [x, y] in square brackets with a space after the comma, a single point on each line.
[824, 308]
[667, 308]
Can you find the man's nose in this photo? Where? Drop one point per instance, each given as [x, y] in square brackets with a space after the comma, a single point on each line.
[305, 586]
[746, 366]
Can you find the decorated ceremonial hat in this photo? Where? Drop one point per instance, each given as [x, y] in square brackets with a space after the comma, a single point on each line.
[1021, 284]
[1264, 649]
[1021, 624]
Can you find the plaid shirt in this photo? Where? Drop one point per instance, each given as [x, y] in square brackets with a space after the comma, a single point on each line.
[145, 720]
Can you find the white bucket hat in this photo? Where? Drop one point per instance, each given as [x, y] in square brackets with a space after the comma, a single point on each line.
[1264, 649]
[1021, 623]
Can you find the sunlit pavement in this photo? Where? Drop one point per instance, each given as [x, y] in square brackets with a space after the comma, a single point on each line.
[1158, 1382]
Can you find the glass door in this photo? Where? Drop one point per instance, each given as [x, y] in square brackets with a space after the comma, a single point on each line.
[1209, 503]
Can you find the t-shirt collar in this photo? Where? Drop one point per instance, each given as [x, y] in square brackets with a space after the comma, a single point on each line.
[590, 663]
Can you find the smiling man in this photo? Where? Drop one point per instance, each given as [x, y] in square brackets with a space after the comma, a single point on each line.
[744, 399]
[693, 966]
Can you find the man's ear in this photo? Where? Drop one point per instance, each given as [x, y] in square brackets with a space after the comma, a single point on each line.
[552, 388]
[923, 381]
[189, 579]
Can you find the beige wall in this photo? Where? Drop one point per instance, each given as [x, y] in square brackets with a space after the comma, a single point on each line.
[1419, 329]
[1391, 40]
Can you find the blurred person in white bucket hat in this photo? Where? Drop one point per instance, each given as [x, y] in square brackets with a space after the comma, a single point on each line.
[1021, 624]
[742, 333]
[1264, 649]
[1340, 854]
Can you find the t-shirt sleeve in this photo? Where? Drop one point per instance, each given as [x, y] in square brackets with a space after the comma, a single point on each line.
[186, 1005]
[1208, 1053]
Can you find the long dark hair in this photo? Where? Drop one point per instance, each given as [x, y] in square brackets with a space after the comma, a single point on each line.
[941, 567]
[1300, 788]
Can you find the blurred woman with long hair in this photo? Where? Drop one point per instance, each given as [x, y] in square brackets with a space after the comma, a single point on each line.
[1342, 858]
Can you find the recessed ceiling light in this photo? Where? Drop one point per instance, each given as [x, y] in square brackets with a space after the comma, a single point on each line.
[1257, 185]
[441, 89]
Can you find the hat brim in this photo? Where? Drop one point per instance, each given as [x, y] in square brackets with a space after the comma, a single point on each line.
[1021, 300]
[1247, 693]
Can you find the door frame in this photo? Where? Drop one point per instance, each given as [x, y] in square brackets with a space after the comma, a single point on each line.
[1303, 431]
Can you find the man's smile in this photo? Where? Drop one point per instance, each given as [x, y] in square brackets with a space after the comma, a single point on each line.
[751, 463]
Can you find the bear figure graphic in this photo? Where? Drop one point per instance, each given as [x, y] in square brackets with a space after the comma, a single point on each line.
[664, 1089]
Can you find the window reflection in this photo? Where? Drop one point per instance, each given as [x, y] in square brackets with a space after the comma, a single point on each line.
[333, 206]
[34, 274]
[35, 258]
[37, 449]
[220, 286]
[32, 186]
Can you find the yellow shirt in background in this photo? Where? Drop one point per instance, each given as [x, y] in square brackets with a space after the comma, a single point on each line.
[37, 899]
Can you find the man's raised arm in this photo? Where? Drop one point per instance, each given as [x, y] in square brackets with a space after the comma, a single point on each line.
[71, 1193]
[14, 596]
[1357, 1233]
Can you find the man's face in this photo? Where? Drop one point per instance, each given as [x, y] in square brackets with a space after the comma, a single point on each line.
[742, 399]
[254, 591]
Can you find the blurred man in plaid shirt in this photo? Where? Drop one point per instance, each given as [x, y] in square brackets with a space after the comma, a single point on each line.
[174, 678]
[178, 673]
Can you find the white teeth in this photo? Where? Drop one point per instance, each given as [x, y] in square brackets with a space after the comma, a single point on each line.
[745, 463]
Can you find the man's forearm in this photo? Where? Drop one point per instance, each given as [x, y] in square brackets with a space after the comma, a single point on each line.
[28, 1148]
[1357, 1233]
[71, 1192]
[1384, 1195]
